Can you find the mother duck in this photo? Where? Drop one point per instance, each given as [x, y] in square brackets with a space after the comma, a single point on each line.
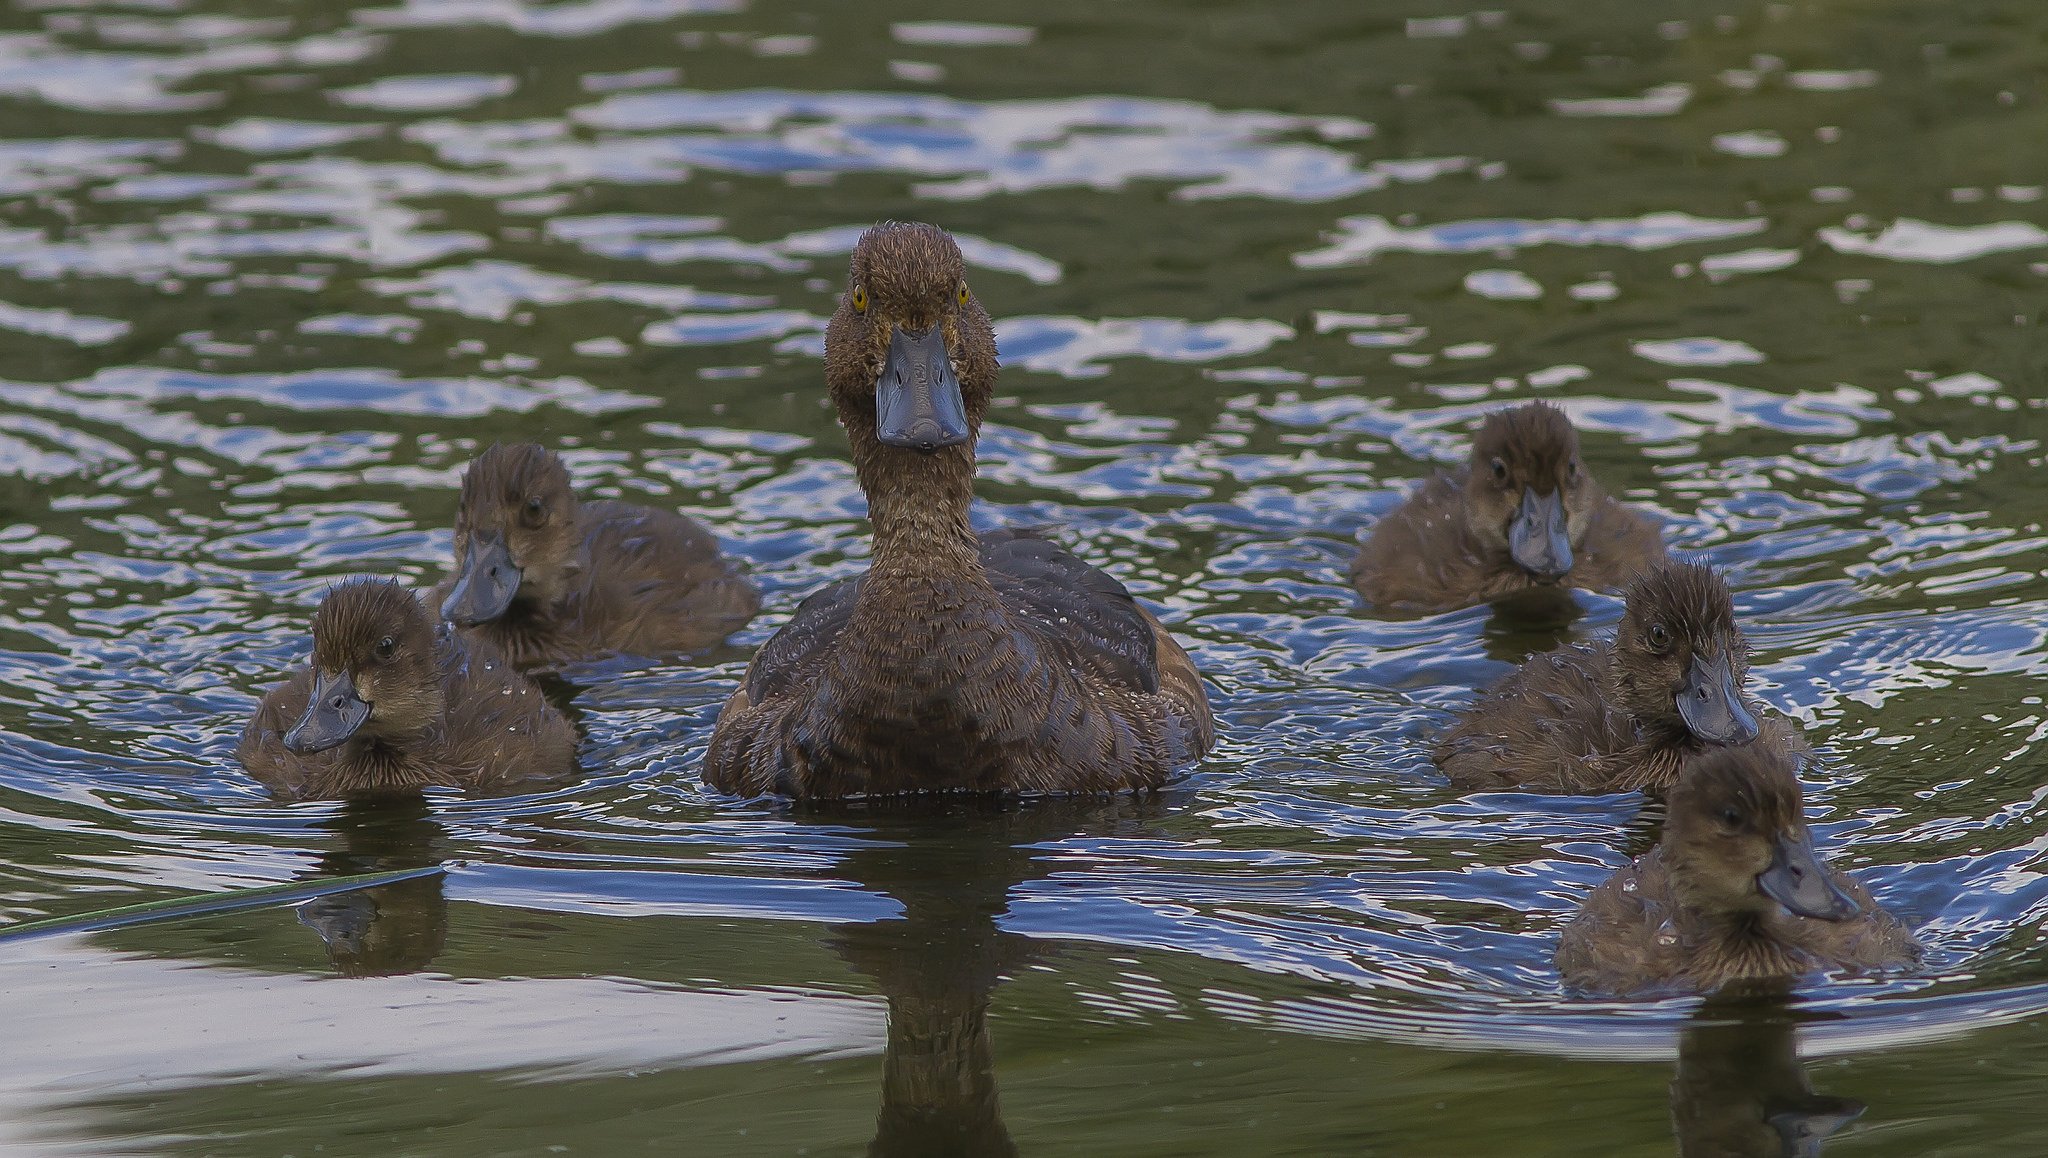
[995, 663]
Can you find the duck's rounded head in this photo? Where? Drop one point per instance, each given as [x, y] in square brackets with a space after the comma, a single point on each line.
[1736, 842]
[1524, 488]
[515, 533]
[910, 355]
[1680, 659]
[375, 674]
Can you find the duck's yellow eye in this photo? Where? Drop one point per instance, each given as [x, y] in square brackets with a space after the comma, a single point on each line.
[963, 293]
[860, 298]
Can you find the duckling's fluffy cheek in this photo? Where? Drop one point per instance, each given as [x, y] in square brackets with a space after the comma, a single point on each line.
[1489, 514]
[1721, 874]
[541, 554]
[369, 688]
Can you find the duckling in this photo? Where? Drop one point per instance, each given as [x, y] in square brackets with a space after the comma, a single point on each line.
[1610, 716]
[1523, 513]
[956, 662]
[549, 580]
[1733, 890]
[394, 702]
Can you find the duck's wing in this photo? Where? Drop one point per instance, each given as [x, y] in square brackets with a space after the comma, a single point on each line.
[810, 632]
[655, 581]
[499, 730]
[1615, 944]
[1077, 608]
[1420, 558]
[1621, 543]
[261, 748]
[1547, 724]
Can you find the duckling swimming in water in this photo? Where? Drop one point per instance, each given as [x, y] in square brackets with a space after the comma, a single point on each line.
[1610, 716]
[1734, 890]
[550, 580]
[1523, 513]
[956, 662]
[394, 702]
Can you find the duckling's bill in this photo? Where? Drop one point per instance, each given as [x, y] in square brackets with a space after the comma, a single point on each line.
[917, 399]
[1711, 703]
[1798, 881]
[335, 713]
[1540, 537]
[488, 582]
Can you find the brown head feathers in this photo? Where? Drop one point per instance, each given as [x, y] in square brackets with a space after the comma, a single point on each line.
[367, 621]
[1689, 603]
[1533, 445]
[1757, 782]
[906, 270]
[507, 478]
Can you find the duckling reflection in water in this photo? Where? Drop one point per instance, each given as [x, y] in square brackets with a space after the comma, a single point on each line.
[551, 580]
[1523, 513]
[1741, 1090]
[996, 663]
[390, 929]
[1611, 716]
[394, 702]
[1733, 890]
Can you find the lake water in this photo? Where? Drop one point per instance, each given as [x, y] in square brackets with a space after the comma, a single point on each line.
[273, 273]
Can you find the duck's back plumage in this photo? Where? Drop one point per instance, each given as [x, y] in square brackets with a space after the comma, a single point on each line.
[1548, 725]
[1124, 688]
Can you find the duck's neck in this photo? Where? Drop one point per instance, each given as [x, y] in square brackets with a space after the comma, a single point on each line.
[1744, 944]
[372, 764]
[918, 504]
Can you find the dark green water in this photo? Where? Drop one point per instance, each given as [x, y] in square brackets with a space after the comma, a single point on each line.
[272, 273]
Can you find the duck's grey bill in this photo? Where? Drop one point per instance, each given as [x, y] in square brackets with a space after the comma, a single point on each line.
[334, 715]
[917, 399]
[1711, 704]
[1540, 538]
[486, 586]
[1798, 881]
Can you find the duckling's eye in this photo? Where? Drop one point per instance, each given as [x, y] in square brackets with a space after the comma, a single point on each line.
[1571, 471]
[1731, 816]
[385, 649]
[1500, 471]
[1659, 637]
[963, 293]
[860, 298]
[536, 511]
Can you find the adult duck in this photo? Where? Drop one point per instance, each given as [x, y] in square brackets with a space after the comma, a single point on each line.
[1733, 890]
[550, 580]
[1619, 714]
[1523, 513]
[995, 663]
[394, 702]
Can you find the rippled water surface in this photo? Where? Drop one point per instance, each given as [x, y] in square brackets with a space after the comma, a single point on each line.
[272, 273]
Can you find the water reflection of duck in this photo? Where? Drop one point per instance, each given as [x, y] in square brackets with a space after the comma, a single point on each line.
[1623, 714]
[393, 702]
[1733, 890]
[940, 962]
[1523, 513]
[550, 580]
[992, 663]
[389, 929]
[1741, 1090]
